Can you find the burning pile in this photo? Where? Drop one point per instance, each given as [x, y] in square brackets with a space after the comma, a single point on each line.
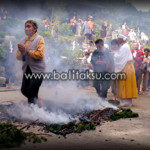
[85, 121]
[89, 120]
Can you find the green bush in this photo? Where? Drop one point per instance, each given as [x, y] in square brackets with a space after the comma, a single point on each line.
[64, 29]
[10, 136]
[45, 33]
[4, 50]
[2, 34]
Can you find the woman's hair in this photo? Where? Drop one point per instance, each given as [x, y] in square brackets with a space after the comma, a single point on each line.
[34, 23]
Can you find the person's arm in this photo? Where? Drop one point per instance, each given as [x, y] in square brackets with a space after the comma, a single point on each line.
[93, 25]
[83, 27]
[39, 52]
[92, 60]
[19, 55]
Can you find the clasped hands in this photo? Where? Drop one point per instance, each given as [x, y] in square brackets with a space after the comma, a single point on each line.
[103, 62]
[22, 49]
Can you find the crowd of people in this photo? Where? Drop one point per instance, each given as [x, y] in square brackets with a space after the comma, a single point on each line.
[107, 32]
[135, 56]
[111, 54]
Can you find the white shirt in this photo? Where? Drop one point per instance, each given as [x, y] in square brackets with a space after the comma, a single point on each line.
[122, 56]
[146, 63]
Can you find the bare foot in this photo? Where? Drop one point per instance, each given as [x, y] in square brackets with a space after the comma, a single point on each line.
[124, 105]
[140, 92]
[40, 102]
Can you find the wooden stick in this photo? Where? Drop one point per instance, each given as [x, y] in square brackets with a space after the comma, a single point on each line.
[29, 124]
[43, 134]
[96, 115]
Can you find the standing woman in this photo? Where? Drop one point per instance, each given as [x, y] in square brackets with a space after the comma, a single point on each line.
[31, 51]
[126, 88]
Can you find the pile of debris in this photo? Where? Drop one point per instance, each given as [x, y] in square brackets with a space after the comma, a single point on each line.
[86, 121]
[89, 121]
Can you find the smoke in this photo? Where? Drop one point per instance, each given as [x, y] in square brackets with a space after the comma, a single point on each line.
[23, 111]
[61, 107]
[62, 99]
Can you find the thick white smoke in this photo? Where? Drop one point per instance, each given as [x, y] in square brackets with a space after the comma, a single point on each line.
[62, 102]
[61, 107]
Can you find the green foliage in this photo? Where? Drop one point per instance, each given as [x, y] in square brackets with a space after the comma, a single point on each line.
[4, 49]
[123, 113]
[34, 138]
[130, 44]
[10, 136]
[80, 128]
[75, 127]
[64, 29]
[88, 126]
[79, 53]
[11, 22]
[2, 34]
[97, 32]
[45, 34]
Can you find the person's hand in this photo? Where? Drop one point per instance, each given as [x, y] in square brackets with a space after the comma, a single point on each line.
[108, 67]
[100, 62]
[90, 65]
[22, 48]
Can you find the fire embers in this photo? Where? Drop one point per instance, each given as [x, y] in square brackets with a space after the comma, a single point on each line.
[80, 121]
[97, 116]
[72, 127]
[88, 121]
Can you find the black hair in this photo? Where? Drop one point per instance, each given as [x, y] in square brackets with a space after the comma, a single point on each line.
[114, 41]
[146, 50]
[34, 23]
[87, 53]
[99, 41]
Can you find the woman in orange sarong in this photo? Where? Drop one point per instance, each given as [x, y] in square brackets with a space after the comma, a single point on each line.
[126, 88]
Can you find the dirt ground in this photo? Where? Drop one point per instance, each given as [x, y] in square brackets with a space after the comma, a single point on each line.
[122, 134]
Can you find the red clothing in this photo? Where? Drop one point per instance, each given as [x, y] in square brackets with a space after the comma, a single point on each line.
[138, 59]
